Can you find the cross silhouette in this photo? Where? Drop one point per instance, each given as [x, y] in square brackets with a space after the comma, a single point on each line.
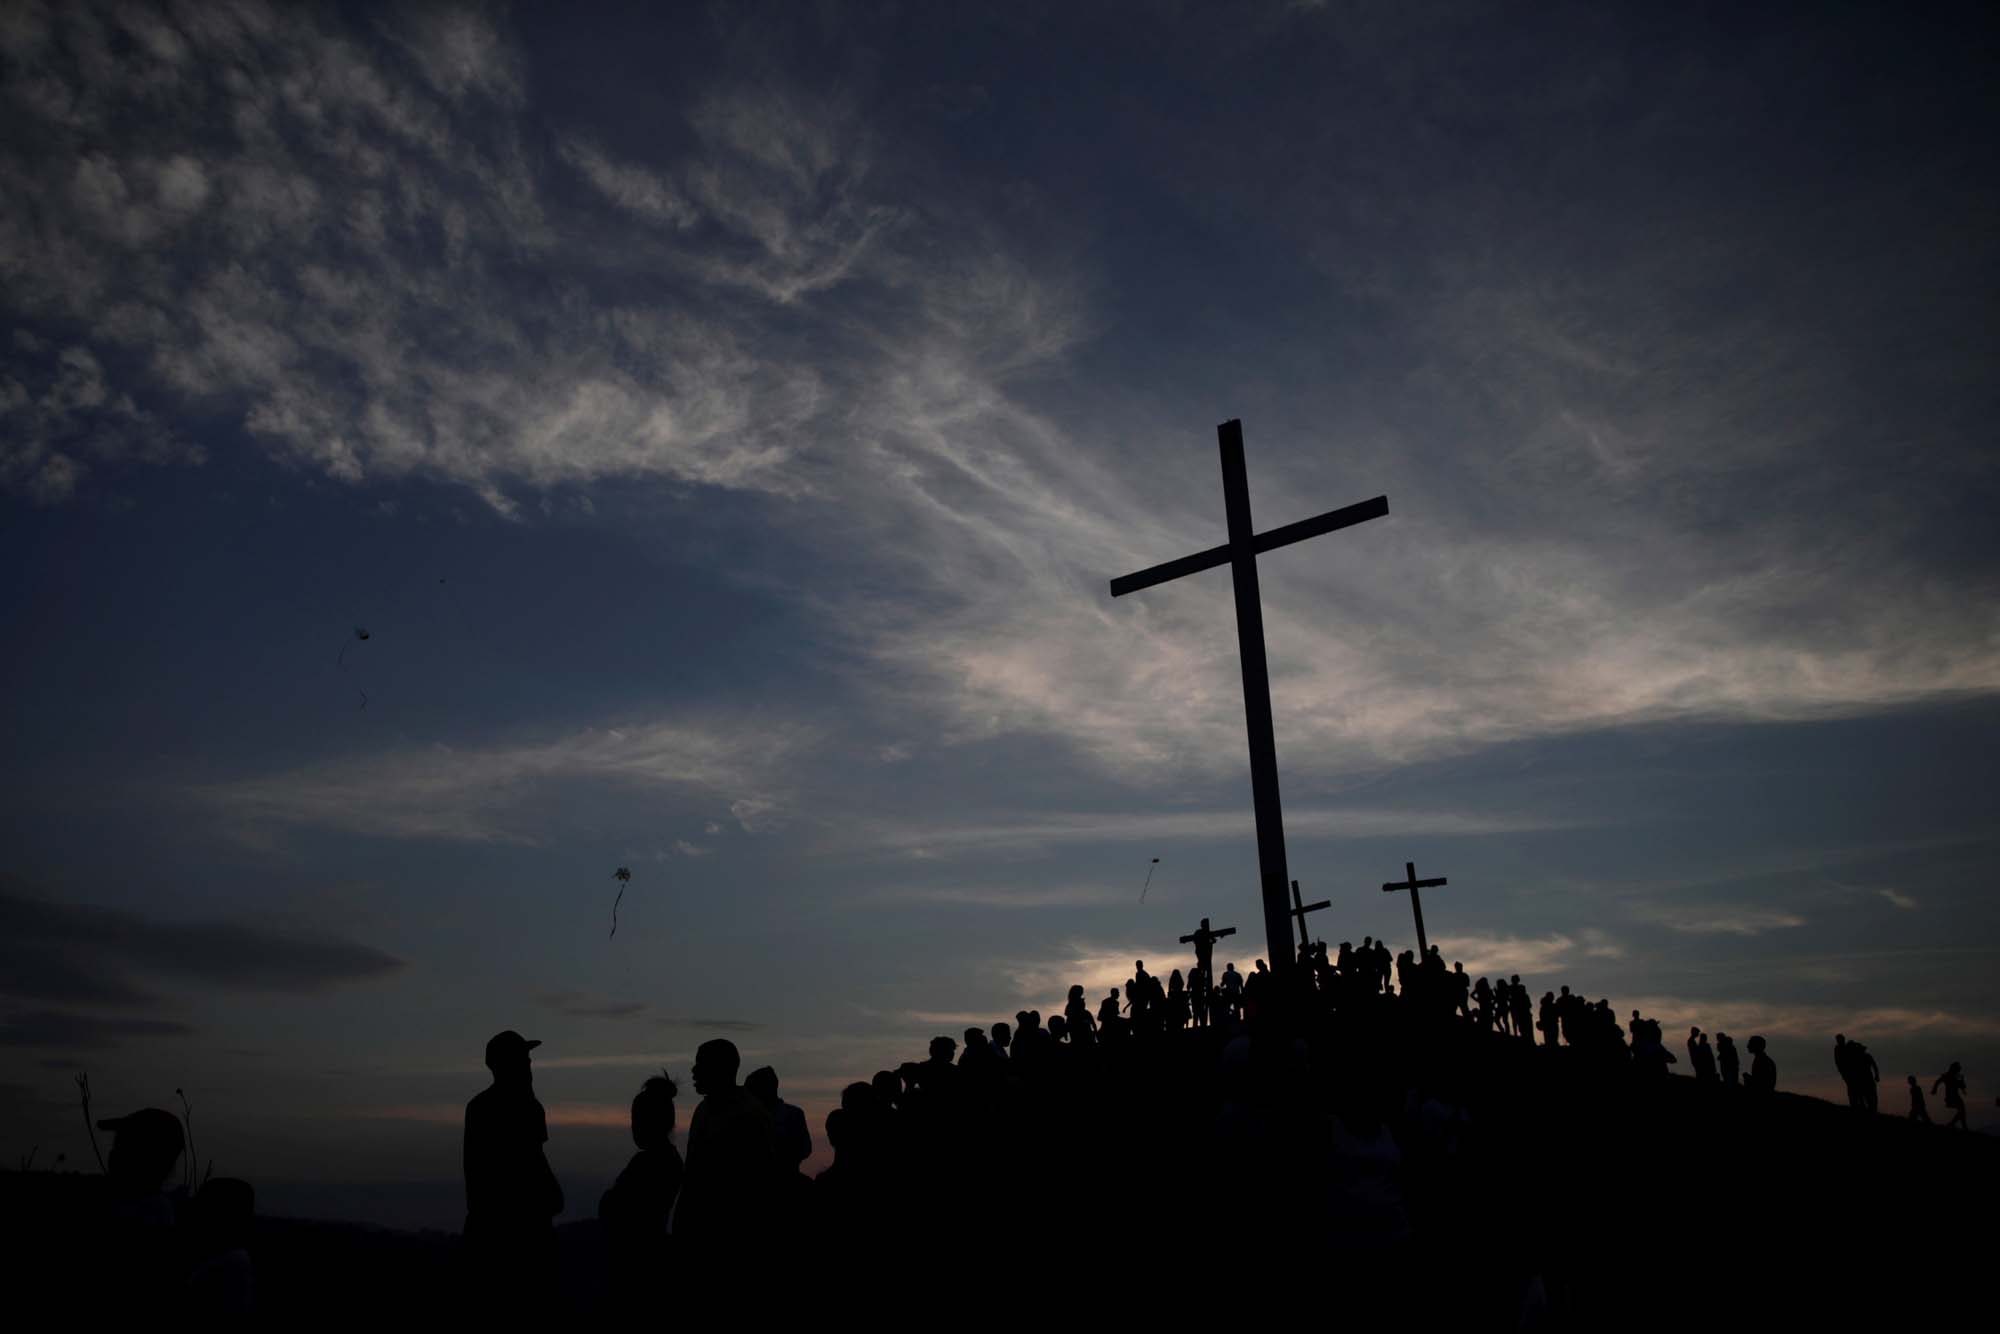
[1416, 904]
[1300, 908]
[1240, 554]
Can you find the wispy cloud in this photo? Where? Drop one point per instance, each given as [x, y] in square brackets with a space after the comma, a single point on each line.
[1495, 955]
[478, 793]
[1032, 831]
[1816, 1021]
[1723, 919]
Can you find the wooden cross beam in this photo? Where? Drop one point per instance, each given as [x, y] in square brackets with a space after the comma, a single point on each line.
[1416, 904]
[1300, 908]
[1240, 554]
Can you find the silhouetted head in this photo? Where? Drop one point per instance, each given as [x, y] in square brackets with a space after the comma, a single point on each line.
[1840, 1039]
[1076, 992]
[762, 1084]
[1565, 991]
[1913, 1080]
[1457, 967]
[1174, 978]
[1138, 966]
[974, 1037]
[716, 1062]
[1114, 993]
[1261, 968]
[147, 1146]
[507, 1056]
[1755, 1044]
[836, 1126]
[1057, 1027]
[1694, 1032]
[1204, 923]
[1003, 1037]
[653, 1112]
[1954, 1068]
[858, 1097]
[1516, 979]
[942, 1049]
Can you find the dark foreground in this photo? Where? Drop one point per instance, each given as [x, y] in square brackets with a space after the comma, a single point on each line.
[1372, 1168]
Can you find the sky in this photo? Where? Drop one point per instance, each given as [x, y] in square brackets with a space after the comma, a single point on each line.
[724, 421]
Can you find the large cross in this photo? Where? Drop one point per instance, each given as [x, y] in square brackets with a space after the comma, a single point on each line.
[1240, 554]
[1416, 904]
[1300, 908]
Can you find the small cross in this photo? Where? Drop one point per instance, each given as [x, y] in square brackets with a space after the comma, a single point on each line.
[1203, 941]
[1416, 904]
[1300, 908]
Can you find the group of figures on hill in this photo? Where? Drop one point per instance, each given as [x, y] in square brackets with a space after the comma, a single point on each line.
[740, 1191]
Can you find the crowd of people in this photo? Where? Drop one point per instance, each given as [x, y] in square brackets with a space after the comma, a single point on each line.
[1348, 1072]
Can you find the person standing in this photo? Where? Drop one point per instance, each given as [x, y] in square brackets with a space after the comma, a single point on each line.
[511, 1195]
[1763, 1070]
[1918, 1112]
[1725, 1053]
[732, 1161]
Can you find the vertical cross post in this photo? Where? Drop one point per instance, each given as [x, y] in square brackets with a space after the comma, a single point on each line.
[1300, 908]
[1256, 698]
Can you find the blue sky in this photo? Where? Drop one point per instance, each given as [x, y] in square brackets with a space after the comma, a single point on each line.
[725, 419]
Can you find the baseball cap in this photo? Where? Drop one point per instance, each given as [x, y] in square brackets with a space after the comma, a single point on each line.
[507, 1043]
[148, 1123]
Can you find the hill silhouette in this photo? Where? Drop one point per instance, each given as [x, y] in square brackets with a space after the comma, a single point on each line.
[1386, 1158]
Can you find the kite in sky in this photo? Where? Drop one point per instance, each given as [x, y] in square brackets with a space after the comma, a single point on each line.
[1149, 880]
[340, 661]
[623, 875]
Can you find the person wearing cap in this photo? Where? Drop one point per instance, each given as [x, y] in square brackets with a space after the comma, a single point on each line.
[140, 1242]
[511, 1195]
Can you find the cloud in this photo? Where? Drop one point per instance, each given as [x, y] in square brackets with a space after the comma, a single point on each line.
[1029, 831]
[713, 1025]
[81, 1032]
[1495, 955]
[477, 794]
[75, 954]
[1898, 898]
[1724, 920]
[578, 1005]
[996, 896]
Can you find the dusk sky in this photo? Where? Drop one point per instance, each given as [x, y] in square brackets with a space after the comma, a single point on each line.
[725, 419]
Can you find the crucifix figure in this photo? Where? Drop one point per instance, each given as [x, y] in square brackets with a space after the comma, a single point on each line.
[1203, 941]
[1416, 904]
[1300, 908]
[1240, 553]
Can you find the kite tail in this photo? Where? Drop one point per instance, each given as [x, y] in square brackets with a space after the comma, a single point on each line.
[614, 913]
[1148, 884]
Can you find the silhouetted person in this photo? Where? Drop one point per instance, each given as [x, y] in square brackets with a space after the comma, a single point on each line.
[1953, 1081]
[1519, 1008]
[1546, 1020]
[1918, 1112]
[223, 1281]
[1858, 1071]
[511, 1195]
[1725, 1055]
[795, 1143]
[1701, 1056]
[1232, 989]
[1763, 1070]
[731, 1164]
[636, 1210]
[1003, 1038]
[139, 1246]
